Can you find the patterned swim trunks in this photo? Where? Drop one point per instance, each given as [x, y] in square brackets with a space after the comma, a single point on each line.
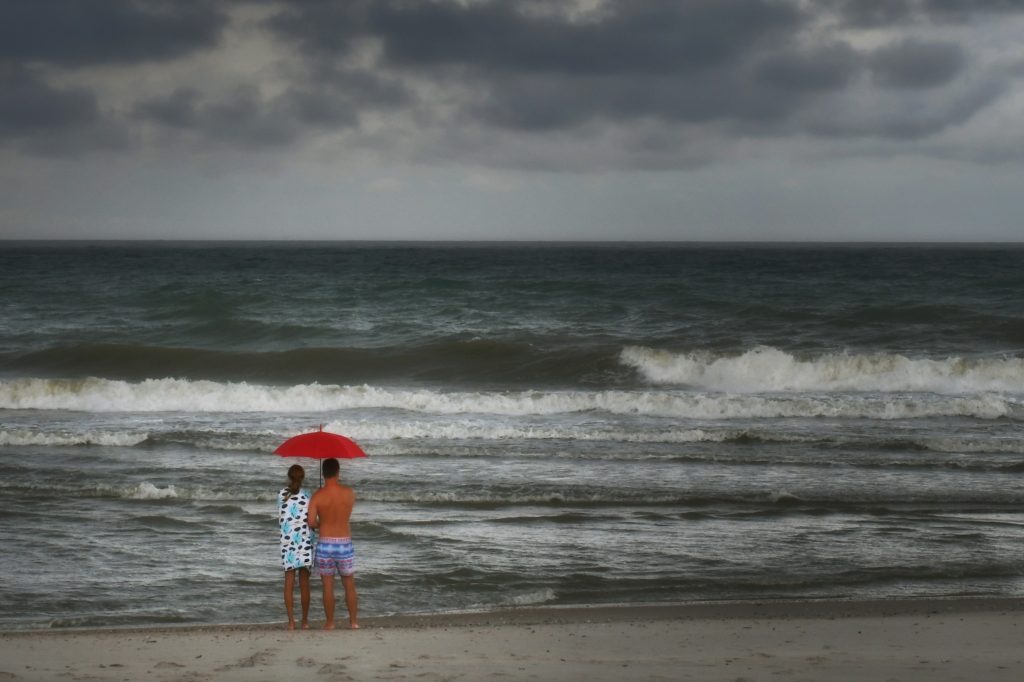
[335, 556]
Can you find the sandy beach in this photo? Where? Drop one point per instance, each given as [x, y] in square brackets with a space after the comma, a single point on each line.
[947, 639]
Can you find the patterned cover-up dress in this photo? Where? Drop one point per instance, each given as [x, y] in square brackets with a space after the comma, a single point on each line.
[296, 538]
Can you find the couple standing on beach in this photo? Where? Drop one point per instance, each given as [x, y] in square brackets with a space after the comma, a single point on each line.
[327, 511]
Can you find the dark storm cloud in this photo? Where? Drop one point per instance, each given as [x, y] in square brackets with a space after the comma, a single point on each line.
[958, 10]
[245, 118]
[880, 13]
[736, 64]
[361, 87]
[914, 64]
[544, 103]
[823, 68]
[631, 71]
[321, 26]
[177, 110]
[630, 37]
[73, 33]
[868, 13]
[240, 117]
[548, 70]
[655, 36]
[28, 106]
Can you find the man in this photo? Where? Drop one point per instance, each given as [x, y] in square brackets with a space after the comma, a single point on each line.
[329, 513]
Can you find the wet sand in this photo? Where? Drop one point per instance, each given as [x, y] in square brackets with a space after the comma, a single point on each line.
[936, 640]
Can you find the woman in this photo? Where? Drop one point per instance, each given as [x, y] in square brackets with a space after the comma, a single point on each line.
[296, 542]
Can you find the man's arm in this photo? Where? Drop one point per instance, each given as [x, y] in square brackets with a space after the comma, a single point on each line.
[311, 517]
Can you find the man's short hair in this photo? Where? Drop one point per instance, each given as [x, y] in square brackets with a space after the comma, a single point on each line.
[330, 468]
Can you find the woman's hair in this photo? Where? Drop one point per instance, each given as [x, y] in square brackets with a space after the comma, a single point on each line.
[295, 476]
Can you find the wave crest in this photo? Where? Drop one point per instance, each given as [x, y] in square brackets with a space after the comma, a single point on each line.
[182, 395]
[20, 437]
[767, 369]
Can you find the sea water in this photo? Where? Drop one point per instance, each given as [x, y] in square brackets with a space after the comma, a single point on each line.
[546, 424]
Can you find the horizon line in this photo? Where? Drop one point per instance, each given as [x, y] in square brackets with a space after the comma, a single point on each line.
[506, 242]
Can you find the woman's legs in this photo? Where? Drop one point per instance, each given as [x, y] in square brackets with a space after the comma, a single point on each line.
[304, 596]
[289, 587]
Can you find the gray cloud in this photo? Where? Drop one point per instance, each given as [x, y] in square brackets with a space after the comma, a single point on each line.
[908, 115]
[823, 68]
[448, 72]
[961, 10]
[77, 32]
[881, 13]
[871, 13]
[177, 110]
[29, 106]
[545, 103]
[243, 117]
[915, 64]
[321, 27]
[240, 117]
[657, 36]
[728, 62]
[549, 71]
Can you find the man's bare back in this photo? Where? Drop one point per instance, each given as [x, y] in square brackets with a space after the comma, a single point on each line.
[331, 508]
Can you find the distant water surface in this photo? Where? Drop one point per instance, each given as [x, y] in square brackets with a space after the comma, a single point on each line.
[546, 424]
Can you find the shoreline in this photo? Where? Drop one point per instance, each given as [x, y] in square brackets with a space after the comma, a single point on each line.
[584, 613]
[901, 639]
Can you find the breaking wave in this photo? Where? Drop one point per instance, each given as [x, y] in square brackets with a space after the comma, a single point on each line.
[767, 369]
[182, 395]
[20, 437]
[472, 496]
[151, 491]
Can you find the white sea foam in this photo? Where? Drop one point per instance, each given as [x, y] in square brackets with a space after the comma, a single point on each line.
[474, 430]
[180, 395]
[21, 437]
[769, 369]
[151, 491]
[148, 491]
[531, 598]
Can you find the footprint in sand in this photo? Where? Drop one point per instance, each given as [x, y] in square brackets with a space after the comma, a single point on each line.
[332, 669]
[265, 657]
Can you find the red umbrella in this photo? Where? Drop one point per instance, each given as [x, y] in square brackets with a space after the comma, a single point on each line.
[320, 445]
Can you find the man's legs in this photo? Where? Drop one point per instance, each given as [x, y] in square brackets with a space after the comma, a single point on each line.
[351, 600]
[328, 601]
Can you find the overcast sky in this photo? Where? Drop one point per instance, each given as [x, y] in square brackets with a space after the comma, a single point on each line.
[833, 120]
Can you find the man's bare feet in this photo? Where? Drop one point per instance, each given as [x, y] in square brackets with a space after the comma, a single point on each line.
[291, 625]
[353, 626]
[305, 625]
[329, 625]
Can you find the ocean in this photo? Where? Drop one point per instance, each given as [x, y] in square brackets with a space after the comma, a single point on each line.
[546, 424]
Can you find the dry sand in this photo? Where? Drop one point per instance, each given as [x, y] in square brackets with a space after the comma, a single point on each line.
[933, 640]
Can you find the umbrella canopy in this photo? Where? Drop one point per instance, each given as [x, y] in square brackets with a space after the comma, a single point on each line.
[320, 445]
